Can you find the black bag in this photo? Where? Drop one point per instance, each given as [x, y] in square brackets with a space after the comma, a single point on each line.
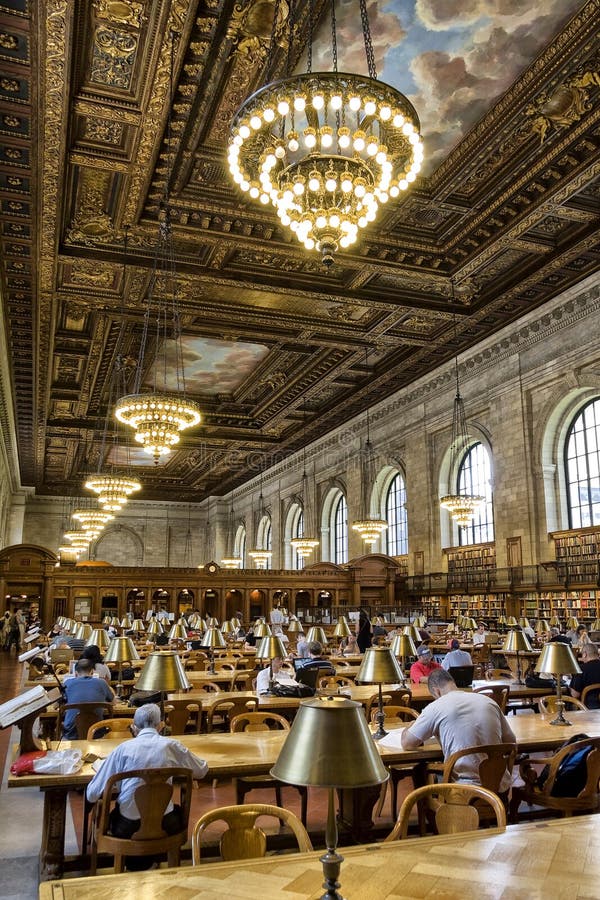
[292, 690]
[534, 681]
[572, 773]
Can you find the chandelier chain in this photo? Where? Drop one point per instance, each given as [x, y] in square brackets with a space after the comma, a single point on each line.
[334, 53]
[367, 39]
[311, 10]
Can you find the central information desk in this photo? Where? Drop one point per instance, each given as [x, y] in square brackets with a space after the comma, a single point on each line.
[560, 858]
[254, 753]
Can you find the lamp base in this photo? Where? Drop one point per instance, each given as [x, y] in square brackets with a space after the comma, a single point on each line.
[332, 863]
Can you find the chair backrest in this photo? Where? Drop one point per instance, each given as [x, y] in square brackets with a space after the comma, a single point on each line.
[209, 687]
[179, 713]
[155, 789]
[590, 696]
[547, 705]
[495, 760]
[455, 810]
[334, 681]
[87, 715]
[493, 674]
[108, 727]
[229, 709]
[258, 721]
[244, 839]
[592, 761]
[496, 692]
[396, 714]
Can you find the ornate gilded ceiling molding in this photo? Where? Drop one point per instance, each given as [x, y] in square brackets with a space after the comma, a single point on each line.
[564, 106]
[154, 114]
[121, 12]
[107, 111]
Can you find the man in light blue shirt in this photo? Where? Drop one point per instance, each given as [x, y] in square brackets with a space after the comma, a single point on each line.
[456, 656]
[148, 750]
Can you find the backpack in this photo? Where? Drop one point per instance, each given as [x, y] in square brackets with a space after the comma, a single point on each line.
[572, 773]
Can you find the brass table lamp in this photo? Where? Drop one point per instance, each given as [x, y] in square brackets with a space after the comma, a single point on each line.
[558, 659]
[517, 642]
[138, 627]
[262, 630]
[342, 629]
[316, 633]
[413, 632]
[121, 650]
[83, 631]
[164, 673]
[212, 639]
[379, 666]
[268, 649]
[99, 638]
[154, 629]
[178, 632]
[329, 745]
[404, 647]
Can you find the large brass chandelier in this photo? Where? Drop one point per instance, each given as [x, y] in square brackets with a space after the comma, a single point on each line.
[461, 505]
[162, 411]
[113, 489]
[92, 520]
[326, 149]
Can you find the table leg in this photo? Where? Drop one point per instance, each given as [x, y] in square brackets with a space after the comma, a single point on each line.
[52, 850]
[356, 811]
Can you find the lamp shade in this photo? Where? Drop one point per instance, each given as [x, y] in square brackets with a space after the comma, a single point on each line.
[212, 622]
[555, 622]
[295, 627]
[516, 641]
[262, 630]
[227, 627]
[212, 638]
[412, 632]
[138, 626]
[126, 622]
[106, 620]
[115, 622]
[83, 631]
[178, 632]
[572, 623]
[98, 638]
[235, 623]
[511, 622]
[524, 622]
[163, 672]
[316, 633]
[379, 666]
[419, 621]
[329, 745]
[270, 647]
[595, 626]
[342, 629]
[403, 645]
[557, 658]
[154, 628]
[542, 626]
[120, 650]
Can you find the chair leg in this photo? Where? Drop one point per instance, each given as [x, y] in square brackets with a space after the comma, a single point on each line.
[381, 801]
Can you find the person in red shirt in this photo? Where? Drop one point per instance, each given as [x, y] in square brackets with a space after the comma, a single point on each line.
[424, 666]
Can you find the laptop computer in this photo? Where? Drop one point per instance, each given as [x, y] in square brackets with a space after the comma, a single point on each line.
[463, 675]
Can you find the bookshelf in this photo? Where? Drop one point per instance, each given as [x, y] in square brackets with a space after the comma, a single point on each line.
[545, 604]
[579, 552]
[488, 607]
[461, 560]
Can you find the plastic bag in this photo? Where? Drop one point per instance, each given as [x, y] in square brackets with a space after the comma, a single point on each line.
[59, 762]
[23, 765]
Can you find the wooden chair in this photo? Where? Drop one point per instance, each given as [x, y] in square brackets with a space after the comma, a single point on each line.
[87, 715]
[497, 692]
[494, 674]
[265, 721]
[223, 711]
[496, 760]
[244, 839]
[395, 716]
[533, 793]
[157, 787]
[114, 726]
[547, 705]
[183, 716]
[209, 687]
[455, 808]
[334, 681]
[591, 689]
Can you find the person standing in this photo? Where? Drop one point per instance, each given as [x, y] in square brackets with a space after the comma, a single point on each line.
[14, 635]
[364, 636]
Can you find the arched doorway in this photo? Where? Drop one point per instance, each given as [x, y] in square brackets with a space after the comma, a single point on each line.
[109, 605]
[136, 603]
[161, 599]
[211, 603]
[258, 604]
[185, 601]
[234, 603]
[303, 602]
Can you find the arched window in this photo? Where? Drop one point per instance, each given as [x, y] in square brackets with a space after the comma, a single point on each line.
[340, 531]
[475, 478]
[264, 535]
[395, 514]
[240, 545]
[297, 560]
[582, 467]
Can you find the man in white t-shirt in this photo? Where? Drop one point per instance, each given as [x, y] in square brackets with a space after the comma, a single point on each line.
[479, 635]
[264, 676]
[460, 719]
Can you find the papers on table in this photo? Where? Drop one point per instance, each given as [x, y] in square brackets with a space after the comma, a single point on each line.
[392, 740]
